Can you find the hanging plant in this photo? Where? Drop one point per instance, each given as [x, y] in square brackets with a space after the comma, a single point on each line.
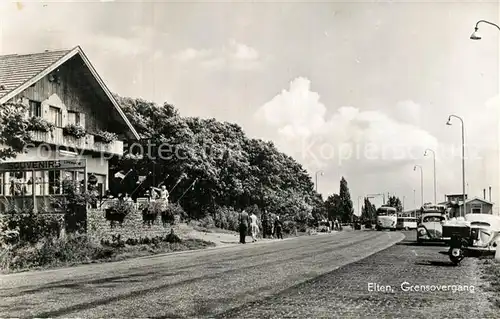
[105, 137]
[36, 123]
[74, 130]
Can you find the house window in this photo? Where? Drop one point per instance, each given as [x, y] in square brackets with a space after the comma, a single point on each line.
[55, 116]
[476, 209]
[35, 108]
[73, 118]
[55, 182]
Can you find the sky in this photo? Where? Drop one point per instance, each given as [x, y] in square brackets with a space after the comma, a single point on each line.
[352, 89]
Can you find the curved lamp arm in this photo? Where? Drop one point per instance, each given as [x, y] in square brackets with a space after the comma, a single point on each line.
[487, 22]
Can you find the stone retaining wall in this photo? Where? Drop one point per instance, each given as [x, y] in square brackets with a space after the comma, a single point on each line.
[99, 228]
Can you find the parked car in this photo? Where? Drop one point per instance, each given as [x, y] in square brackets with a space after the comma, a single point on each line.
[481, 231]
[430, 228]
[324, 227]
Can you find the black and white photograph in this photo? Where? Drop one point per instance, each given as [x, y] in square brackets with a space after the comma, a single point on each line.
[249, 159]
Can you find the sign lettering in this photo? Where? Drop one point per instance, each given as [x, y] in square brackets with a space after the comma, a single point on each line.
[43, 165]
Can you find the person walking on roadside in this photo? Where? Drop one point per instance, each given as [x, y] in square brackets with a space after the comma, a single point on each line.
[265, 224]
[278, 227]
[254, 227]
[243, 226]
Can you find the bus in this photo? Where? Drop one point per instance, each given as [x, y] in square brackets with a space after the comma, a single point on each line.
[406, 223]
[387, 218]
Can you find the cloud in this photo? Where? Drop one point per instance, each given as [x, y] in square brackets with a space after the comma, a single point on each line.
[376, 149]
[191, 54]
[350, 135]
[232, 55]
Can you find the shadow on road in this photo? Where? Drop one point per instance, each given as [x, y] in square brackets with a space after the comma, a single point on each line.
[414, 243]
[435, 263]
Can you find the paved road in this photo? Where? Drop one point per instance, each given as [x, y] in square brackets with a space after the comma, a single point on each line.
[344, 293]
[192, 284]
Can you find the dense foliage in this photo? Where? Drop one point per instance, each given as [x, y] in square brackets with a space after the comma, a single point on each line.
[395, 202]
[345, 202]
[369, 211]
[233, 170]
[14, 131]
[76, 131]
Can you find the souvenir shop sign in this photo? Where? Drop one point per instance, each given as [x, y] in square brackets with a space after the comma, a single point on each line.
[43, 165]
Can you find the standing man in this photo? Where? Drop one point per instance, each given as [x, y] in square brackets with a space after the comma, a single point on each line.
[255, 227]
[278, 227]
[243, 226]
[265, 224]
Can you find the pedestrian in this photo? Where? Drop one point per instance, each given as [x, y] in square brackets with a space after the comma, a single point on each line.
[243, 219]
[265, 224]
[278, 227]
[254, 226]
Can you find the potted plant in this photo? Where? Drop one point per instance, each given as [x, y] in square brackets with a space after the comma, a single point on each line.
[37, 123]
[76, 131]
[118, 211]
[105, 137]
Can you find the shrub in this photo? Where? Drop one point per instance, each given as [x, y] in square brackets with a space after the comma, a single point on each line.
[105, 137]
[49, 252]
[207, 222]
[76, 131]
[226, 218]
[168, 216]
[37, 123]
[29, 227]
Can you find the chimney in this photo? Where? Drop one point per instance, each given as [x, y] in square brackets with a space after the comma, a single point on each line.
[490, 193]
[484, 193]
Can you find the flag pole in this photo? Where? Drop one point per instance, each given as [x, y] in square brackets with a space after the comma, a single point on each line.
[192, 184]
[130, 170]
[168, 175]
[178, 181]
[140, 184]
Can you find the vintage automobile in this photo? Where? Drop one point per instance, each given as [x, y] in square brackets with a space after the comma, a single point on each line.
[430, 228]
[481, 232]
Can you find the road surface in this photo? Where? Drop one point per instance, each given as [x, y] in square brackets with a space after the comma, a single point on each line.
[191, 284]
[355, 291]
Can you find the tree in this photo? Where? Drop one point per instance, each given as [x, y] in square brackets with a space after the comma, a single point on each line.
[368, 212]
[395, 202]
[13, 130]
[346, 206]
[232, 169]
[332, 206]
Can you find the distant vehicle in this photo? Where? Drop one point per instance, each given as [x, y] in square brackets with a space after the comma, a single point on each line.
[406, 223]
[433, 208]
[357, 226]
[387, 218]
[430, 228]
[324, 227]
[368, 225]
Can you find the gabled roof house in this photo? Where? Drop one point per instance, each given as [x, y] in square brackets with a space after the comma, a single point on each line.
[64, 89]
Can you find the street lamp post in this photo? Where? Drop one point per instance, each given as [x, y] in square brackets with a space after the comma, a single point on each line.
[463, 157]
[316, 175]
[475, 35]
[434, 160]
[421, 183]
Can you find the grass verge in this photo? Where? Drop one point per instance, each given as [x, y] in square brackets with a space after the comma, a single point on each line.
[78, 249]
[491, 273]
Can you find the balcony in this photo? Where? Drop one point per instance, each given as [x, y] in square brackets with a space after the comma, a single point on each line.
[87, 143]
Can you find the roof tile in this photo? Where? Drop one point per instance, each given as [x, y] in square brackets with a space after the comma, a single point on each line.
[17, 69]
